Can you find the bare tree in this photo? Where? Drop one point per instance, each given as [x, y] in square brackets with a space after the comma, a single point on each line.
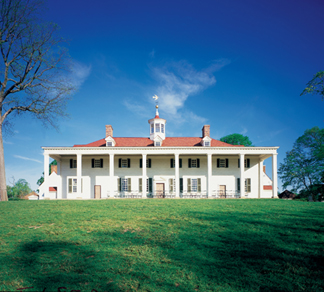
[33, 69]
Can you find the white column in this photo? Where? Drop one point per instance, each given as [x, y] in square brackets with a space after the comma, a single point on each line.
[46, 175]
[59, 187]
[274, 176]
[260, 178]
[209, 175]
[177, 178]
[79, 174]
[144, 175]
[242, 177]
[111, 175]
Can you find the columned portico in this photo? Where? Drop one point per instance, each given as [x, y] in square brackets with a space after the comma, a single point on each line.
[111, 174]
[144, 187]
[209, 175]
[59, 189]
[242, 177]
[274, 175]
[46, 173]
[79, 175]
[260, 178]
[177, 177]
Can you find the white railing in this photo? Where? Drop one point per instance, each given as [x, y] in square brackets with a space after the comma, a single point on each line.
[216, 194]
[129, 195]
[228, 194]
[194, 195]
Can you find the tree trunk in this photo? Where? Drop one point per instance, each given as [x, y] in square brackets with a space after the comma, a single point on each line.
[3, 184]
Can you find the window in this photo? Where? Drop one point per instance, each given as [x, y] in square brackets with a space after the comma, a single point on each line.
[247, 185]
[73, 163]
[152, 128]
[172, 163]
[157, 128]
[194, 185]
[73, 185]
[148, 163]
[207, 144]
[124, 184]
[222, 162]
[109, 144]
[124, 163]
[162, 128]
[246, 163]
[97, 163]
[158, 144]
[193, 163]
[171, 185]
[140, 185]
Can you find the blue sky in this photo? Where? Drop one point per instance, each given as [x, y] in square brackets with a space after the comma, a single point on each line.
[239, 66]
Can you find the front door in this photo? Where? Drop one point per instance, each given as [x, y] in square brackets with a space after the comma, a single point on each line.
[222, 191]
[97, 192]
[159, 190]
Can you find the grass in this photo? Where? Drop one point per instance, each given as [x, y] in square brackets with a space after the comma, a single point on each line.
[162, 245]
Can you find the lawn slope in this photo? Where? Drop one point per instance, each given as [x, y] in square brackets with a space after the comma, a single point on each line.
[162, 245]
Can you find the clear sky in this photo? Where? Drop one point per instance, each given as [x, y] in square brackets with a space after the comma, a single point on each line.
[238, 66]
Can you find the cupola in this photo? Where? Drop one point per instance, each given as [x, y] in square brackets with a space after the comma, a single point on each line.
[157, 127]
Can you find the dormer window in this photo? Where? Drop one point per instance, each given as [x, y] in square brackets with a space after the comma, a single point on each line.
[157, 128]
[206, 141]
[158, 144]
[110, 142]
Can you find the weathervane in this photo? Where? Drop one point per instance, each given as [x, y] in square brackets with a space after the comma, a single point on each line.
[156, 100]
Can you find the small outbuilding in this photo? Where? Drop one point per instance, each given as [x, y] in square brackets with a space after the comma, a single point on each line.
[31, 196]
[287, 195]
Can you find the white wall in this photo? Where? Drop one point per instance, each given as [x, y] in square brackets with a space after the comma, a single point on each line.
[160, 171]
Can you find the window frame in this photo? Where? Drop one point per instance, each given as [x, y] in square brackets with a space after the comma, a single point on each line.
[73, 163]
[72, 188]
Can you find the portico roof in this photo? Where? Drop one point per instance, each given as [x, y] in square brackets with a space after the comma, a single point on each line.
[168, 142]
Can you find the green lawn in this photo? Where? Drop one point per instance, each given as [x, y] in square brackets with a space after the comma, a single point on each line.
[162, 245]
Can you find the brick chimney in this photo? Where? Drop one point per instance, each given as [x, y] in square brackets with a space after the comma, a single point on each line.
[264, 168]
[206, 131]
[109, 131]
[54, 168]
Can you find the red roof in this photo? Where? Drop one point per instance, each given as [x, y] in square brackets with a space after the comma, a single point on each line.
[168, 142]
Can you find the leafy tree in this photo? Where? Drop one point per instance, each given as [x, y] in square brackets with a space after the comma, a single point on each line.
[316, 85]
[18, 189]
[32, 69]
[41, 179]
[303, 166]
[236, 139]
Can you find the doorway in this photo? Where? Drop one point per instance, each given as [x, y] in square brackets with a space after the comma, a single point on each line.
[222, 191]
[159, 190]
[97, 192]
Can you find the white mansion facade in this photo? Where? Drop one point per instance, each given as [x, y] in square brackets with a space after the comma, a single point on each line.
[158, 167]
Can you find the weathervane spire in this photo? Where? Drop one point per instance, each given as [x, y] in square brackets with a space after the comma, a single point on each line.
[157, 106]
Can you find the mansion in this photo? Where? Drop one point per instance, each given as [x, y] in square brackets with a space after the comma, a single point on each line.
[158, 167]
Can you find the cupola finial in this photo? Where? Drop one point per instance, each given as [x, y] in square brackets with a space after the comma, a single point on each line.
[157, 106]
